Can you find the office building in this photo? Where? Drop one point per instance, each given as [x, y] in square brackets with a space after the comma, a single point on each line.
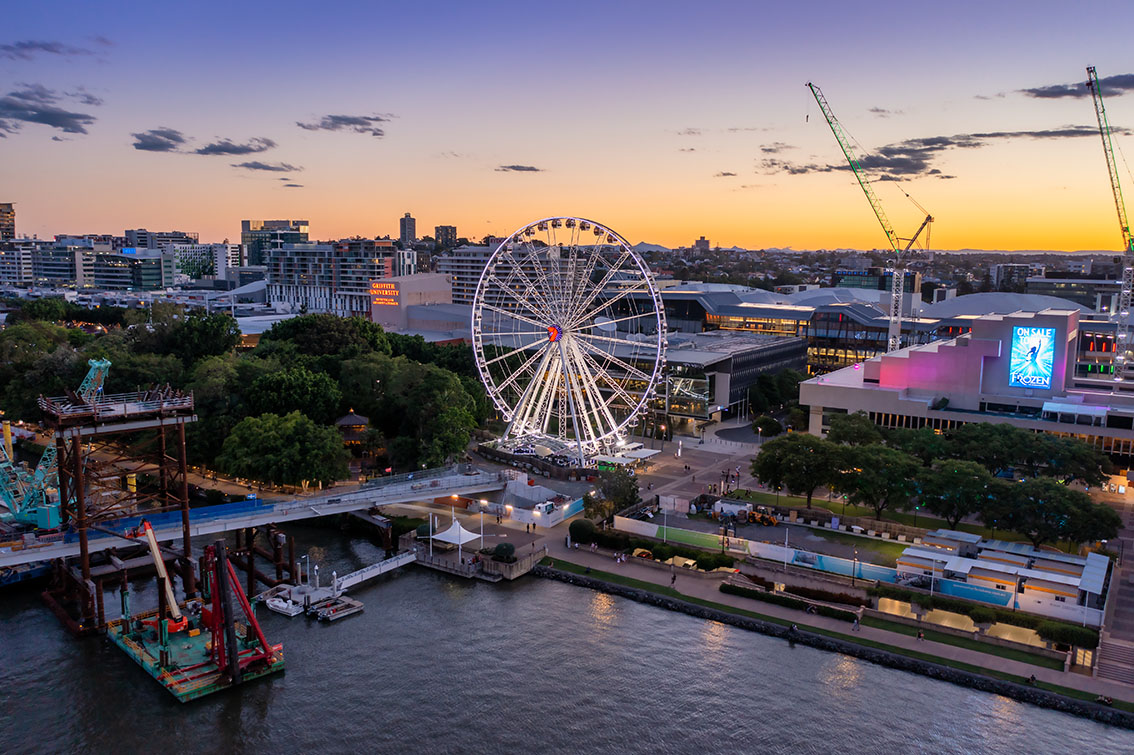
[1011, 276]
[140, 238]
[15, 264]
[132, 270]
[258, 237]
[334, 278]
[7, 221]
[445, 236]
[701, 244]
[1100, 295]
[196, 261]
[465, 264]
[407, 229]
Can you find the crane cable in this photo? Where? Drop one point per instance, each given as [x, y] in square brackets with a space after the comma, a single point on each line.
[864, 153]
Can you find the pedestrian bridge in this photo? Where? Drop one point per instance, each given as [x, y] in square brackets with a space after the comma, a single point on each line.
[462, 480]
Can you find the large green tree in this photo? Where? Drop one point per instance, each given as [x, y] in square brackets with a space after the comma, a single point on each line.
[997, 447]
[288, 450]
[1043, 510]
[954, 489]
[854, 430]
[925, 444]
[329, 334]
[799, 462]
[620, 487]
[295, 389]
[878, 477]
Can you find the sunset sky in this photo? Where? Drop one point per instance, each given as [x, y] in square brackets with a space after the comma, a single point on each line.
[664, 121]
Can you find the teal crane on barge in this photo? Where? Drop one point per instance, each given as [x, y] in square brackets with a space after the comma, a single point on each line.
[32, 496]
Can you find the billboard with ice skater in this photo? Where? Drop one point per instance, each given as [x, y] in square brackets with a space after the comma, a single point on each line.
[1032, 357]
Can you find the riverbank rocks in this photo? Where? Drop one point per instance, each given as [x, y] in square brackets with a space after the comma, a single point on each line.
[1021, 692]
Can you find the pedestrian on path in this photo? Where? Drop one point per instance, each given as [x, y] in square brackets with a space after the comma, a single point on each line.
[673, 579]
[920, 636]
[855, 626]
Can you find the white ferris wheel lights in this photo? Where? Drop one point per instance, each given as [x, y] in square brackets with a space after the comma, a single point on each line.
[569, 334]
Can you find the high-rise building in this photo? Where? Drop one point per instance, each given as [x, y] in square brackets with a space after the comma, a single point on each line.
[445, 236]
[261, 236]
[199, 260]
[140, 238]
[465, 264]
[701, 244]
[15, 264]
[407, 229]
[331, 278]
[7, 221]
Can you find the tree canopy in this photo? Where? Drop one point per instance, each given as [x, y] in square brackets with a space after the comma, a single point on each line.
[288, 450]
[799, 462]
[878, 477]
[854, 430]
[955, 489]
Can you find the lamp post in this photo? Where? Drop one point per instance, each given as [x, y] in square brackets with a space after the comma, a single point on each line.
[854, 567]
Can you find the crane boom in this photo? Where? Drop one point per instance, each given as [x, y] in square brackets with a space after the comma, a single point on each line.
[901, 254]
[1122, 355]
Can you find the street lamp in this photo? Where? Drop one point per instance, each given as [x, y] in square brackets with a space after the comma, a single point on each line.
[854, 567]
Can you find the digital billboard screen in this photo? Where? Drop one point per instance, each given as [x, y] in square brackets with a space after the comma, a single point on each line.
[1032, 358]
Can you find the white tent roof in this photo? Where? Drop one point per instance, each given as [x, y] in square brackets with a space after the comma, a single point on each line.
[642, 453]
[456, 534]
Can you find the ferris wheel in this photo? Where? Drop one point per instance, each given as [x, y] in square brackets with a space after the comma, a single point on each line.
[569, 335]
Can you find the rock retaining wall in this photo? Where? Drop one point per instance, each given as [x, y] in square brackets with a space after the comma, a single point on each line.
[1021, 692]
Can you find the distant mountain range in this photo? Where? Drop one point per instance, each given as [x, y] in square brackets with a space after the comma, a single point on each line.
[645, 246]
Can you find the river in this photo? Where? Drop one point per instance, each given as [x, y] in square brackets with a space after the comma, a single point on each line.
[441, 665]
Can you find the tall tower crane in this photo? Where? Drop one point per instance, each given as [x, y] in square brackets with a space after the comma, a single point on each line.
[1122, 355]
[901, 253]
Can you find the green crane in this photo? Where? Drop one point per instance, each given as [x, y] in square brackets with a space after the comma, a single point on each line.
[32, 496]
[901, 253]
[1122, 340]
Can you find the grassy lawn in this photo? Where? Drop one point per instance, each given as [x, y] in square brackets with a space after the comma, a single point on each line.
[1011, 654]
[887, 550]
[899, 517]
[935, 636]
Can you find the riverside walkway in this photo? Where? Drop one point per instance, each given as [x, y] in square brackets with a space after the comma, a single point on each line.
[708, 588]
[425, 485]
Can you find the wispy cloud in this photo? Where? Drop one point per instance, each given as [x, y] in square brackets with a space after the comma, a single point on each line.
[686, 149]
[519, 169]
[35, 103]
[1110, 86]
[916, 157]
[690, 132]
[724, 174]
[293, 186]
[29, 49]
[159, 140]
[270, 167]
[229, 147]
[359, 124]
[882, 112]
[84, 97]
[775, 148]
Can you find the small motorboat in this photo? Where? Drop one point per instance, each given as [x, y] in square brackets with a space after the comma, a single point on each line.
[284, 606]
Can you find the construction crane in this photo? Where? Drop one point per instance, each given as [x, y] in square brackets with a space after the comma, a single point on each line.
[901, 253]
[32, 496]
[1122, 345]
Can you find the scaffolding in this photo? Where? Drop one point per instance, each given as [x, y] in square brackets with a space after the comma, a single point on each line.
[118, 456]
